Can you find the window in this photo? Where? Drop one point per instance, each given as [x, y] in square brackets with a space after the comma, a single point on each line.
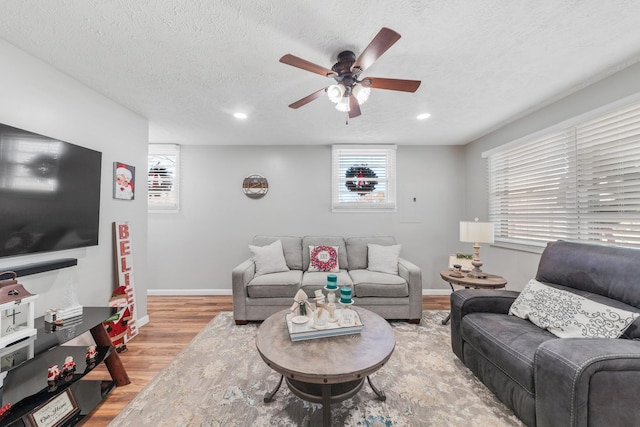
[579, 183]
[163, 182]
[363, 178]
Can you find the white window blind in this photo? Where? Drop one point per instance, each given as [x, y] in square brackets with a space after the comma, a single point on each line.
[163, 179]
[581, 183]
[363, 178]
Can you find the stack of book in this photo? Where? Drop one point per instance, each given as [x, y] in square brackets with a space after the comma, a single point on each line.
[67, 316]
[300, 330]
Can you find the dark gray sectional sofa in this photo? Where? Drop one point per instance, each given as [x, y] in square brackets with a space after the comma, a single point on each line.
[551, 381]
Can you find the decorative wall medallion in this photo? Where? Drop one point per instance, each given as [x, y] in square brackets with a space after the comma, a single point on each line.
[255, 186]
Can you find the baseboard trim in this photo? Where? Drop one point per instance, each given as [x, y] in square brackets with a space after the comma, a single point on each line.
[436, 292]
[143, 321]
[187, 292]
[196, 292]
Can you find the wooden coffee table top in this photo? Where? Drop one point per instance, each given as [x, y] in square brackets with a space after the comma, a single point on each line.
[328, 360]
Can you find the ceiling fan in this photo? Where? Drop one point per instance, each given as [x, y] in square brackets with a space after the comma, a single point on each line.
[350, 91]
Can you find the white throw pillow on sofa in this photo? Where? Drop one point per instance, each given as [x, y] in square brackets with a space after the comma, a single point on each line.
[383, 258]
[567, 315]
[269, 258]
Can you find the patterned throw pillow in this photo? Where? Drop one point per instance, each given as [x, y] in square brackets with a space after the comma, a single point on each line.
[568, 315]
[323, 258]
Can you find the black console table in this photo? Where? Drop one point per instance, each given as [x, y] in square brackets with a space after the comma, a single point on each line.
[25, 385]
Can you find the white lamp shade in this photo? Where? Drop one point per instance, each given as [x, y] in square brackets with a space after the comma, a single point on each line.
[361, 93]
[476, 232]
[335, 92]
[343, 105]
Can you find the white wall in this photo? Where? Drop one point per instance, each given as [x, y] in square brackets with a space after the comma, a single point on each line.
[198, 247]
[37, 98]
[517, 266]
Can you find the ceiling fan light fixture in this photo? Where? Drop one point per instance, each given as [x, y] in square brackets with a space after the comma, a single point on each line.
[335, 93]
[347, 71]
[343, 105]
[361, 93]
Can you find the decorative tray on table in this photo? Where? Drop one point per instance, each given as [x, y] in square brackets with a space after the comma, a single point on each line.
[299, 329]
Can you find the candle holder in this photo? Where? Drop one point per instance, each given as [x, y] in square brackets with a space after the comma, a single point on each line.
[331, 306]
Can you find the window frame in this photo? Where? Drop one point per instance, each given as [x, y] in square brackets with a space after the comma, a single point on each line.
[168, 155]
[587, 187]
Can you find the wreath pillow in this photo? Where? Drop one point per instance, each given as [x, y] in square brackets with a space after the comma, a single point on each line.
[323, 258]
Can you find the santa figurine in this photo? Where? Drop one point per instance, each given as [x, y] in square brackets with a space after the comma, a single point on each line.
[5, 410]
[124, 184]
[69, 365]
[54, 374]
[91, 353]
[117, 328]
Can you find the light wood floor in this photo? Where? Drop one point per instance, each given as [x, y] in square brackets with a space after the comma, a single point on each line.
[174, 321]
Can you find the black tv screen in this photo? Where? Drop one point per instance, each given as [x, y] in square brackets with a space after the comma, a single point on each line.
[49, 193]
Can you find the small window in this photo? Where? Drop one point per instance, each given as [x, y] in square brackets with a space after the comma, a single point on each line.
[363, 178]
[163, 182]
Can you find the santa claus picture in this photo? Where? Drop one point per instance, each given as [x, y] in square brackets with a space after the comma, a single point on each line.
[124, 176]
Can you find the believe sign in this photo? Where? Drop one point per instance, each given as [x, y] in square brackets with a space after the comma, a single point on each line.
[125, 292]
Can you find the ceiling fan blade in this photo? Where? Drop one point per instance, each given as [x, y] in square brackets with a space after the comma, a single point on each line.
[391, 84]
[379, 45]
[307, 99]
[294, 61]
[354, 107]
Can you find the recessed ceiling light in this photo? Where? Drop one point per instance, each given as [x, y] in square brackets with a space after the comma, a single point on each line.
[423, 116]
[240, 115]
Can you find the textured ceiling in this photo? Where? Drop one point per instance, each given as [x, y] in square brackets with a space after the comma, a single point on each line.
[188, 65]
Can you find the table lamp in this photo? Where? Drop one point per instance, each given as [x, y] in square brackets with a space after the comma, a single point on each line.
[476, 233]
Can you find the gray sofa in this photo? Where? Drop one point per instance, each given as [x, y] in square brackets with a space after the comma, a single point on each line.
[391, 296]
[551, 381]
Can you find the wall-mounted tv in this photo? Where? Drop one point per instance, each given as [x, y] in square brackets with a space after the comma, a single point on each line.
[49, 193]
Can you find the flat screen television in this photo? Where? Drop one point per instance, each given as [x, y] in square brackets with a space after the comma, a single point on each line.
[49, 193]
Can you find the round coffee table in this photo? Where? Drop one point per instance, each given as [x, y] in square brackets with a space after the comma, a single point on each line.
[326, 370]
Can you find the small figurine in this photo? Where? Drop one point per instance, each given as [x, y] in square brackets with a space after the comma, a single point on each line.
[69, 365]
[91, 353]
[54, 374]
[300, 303]
[457, 271]
[4, 411]
[319, 298]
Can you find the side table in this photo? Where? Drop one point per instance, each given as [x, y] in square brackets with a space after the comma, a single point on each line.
[492, 281]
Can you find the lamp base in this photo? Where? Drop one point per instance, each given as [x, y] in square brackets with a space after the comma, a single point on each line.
[479, 274]
[476, 273]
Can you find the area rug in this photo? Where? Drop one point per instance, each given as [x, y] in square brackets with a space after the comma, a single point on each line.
[220, 380]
